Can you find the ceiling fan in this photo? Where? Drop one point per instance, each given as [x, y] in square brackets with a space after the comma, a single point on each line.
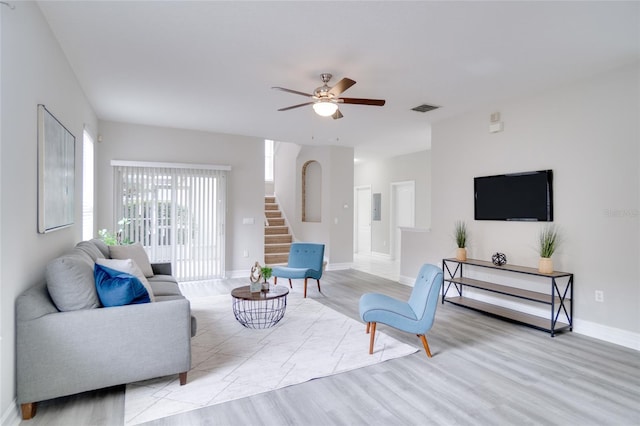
[325, 99]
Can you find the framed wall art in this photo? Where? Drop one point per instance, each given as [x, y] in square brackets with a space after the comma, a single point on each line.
[56, 173]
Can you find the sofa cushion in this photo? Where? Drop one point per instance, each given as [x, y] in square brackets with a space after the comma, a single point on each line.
[117, 288]
[133, 251]
[165, 288]
[90, 249]
[128, 266]
[70, 283]
[163, 278]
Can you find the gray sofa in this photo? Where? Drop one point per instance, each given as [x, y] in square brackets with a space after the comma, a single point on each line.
[85, 346]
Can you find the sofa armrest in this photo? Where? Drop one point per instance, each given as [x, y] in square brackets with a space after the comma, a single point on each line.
[64, 353]
[161, 268]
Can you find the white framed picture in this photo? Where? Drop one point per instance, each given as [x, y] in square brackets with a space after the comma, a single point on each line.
[56, 173]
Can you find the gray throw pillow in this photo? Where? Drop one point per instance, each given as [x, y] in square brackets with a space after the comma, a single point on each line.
[136, 253]
[90, 249]
[71, 283]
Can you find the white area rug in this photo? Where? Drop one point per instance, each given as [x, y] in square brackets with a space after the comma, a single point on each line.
[230, 361]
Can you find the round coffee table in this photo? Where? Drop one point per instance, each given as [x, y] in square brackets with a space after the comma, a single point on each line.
[259, 310]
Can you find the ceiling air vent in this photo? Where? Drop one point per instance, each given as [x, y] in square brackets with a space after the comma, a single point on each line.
[424, 108]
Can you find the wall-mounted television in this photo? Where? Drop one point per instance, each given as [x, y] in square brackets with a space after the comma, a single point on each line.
[526, 196]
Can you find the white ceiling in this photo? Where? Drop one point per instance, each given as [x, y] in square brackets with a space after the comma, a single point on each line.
[210, 66]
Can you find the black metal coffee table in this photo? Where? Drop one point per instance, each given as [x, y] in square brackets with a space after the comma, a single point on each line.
[259, 310]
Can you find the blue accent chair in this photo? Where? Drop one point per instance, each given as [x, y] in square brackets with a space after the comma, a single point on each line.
[305, 261]
[415, 316]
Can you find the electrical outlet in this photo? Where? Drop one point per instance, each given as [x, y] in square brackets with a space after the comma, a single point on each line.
[245, 253]
[599, 296]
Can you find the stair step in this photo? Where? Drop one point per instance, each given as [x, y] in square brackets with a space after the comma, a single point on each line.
[271, 207]
[271, 259]
[277, 239]
[269, 199]
[273, 214]
[276, 221]
[277, 248]
[276, 230]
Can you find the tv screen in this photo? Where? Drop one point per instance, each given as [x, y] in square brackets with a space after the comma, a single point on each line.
[524, 196]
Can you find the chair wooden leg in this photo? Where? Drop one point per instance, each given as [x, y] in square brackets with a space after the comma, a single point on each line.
[28, 410]
[425, 344]
[319, 286]
[373, 337]
[183, 378]
[305, 287]
[368, 327]
[275, 280]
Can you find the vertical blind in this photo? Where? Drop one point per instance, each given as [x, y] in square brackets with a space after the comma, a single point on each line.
[177, 213]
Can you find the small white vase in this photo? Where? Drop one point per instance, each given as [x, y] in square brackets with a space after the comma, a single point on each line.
[545, 265]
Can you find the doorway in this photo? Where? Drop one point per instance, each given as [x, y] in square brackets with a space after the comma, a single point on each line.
[402, 213]
[362, 237]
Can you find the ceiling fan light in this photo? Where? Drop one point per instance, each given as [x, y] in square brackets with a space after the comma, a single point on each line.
[325, 108]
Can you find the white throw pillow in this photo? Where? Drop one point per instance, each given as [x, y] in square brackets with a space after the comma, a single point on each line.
[128, 266]
[135, 252]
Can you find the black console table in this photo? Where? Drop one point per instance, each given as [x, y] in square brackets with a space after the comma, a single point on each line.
[559, 297]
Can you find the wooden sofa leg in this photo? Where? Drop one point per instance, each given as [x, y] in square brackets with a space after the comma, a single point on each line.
[319, 286]
[425, 344]
[275, 280]
[373, 337]
[290, 285]
[305, 287]
[183, 378]
[28, 410]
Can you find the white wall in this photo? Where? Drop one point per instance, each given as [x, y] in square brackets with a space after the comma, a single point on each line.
[380, 175]
[588, 133]
[34, 71]
[245, 186]
[336, 227]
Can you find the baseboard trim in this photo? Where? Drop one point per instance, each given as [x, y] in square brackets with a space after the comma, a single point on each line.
[410, 281]
[617, 336]
[338, 266]
[11, 417]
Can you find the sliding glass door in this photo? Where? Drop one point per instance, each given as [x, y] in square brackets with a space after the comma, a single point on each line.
[176, 213]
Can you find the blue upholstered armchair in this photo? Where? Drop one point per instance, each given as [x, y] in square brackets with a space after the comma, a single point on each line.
[305, 261]
[415, 316]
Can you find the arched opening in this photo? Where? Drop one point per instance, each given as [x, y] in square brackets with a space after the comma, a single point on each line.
[311, 192]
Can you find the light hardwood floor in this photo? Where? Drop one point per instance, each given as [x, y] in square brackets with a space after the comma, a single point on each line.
[484, 371]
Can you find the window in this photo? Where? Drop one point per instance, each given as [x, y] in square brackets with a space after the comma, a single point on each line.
[87, 185]
[176, 212]
[268, 160]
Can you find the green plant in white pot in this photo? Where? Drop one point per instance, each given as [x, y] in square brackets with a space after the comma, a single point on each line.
[460, 234]
[266, 272]
[548, 241]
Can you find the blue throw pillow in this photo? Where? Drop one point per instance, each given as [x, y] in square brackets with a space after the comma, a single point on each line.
[117, 288]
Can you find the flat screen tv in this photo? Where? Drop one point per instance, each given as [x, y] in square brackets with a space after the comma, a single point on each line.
[526, 196]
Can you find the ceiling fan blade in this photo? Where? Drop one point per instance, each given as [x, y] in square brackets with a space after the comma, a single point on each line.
[336, 115]
[341, 86]
[295, 106]
[360, 101]
[293, 91]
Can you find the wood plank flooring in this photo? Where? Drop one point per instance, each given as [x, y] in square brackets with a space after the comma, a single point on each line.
[484, 371]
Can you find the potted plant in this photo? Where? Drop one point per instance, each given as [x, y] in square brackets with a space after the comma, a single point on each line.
[460, 234]
[548, 243]
[265, 272]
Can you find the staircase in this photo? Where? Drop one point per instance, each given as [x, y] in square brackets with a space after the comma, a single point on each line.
[277, 239]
